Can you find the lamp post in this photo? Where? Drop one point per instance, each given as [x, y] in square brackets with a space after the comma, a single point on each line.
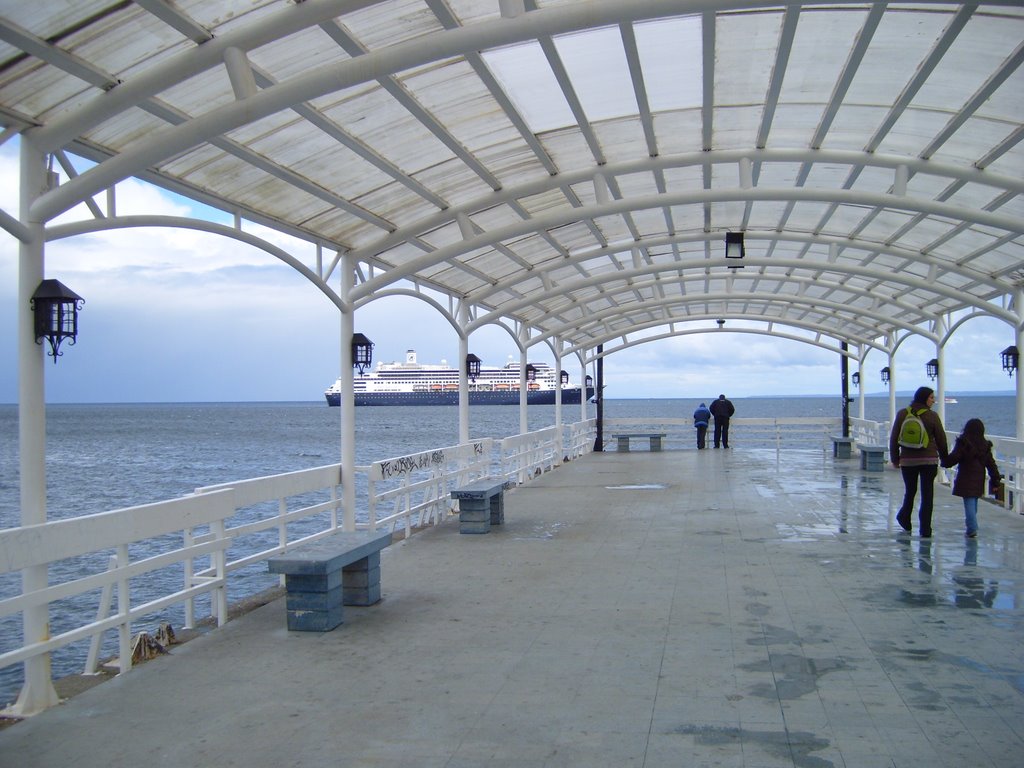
[55, 307]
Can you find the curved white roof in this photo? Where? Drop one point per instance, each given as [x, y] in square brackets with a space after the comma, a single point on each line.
[570, 167]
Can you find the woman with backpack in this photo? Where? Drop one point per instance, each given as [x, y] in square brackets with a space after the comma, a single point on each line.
[972, 453]
[917, 444]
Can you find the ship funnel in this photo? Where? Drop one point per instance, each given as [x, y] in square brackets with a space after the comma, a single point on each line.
[410, 357]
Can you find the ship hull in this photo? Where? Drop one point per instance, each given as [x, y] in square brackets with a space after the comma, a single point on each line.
[570, 396]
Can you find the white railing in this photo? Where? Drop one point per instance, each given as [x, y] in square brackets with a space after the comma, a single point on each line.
[523, 457]
[414, 490]
[271, 515]
[792, 432]
[1009, 454]
[77, 548]
[867, 432]
[579, 438]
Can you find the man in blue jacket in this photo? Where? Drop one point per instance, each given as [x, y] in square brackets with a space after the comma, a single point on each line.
[722, 410]
[701, 419]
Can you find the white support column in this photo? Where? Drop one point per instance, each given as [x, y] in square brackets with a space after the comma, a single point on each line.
[940, 380]
[558, 382]
[559, 452]
[862, 387]
[583, 387]
[892, 384]
[37, 693]
[523, 389]
[348, 400]
[463, 378]
[1018, 305]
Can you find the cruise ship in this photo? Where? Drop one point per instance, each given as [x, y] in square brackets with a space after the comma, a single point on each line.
[414, 383]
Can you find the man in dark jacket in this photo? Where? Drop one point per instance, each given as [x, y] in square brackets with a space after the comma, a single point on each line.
[722, 410]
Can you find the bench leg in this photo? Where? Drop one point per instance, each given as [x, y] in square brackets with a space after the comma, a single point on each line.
[498, 509]
[361, 581]
[656, 443]
[314, 603]
[623, 445]
[474, 516]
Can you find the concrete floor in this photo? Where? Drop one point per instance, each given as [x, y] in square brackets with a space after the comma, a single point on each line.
[685, 608]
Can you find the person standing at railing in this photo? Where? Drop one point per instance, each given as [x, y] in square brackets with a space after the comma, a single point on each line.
[722, 409]
[918, 450]
[972, 455]
[701, 419]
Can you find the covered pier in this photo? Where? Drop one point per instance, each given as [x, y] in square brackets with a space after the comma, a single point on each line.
[588, 176]
[680, 608]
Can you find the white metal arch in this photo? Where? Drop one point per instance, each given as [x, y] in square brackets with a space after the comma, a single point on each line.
[770, 331]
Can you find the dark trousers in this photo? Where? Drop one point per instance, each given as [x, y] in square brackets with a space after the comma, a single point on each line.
[911, 476]
[702, 434]
[722, 432]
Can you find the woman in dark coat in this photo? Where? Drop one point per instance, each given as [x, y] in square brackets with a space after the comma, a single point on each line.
[972, 454]
[919, 465]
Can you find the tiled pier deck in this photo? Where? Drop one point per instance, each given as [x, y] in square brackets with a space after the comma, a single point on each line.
[675, 609]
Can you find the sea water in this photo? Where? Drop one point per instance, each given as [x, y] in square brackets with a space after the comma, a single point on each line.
[105, 457]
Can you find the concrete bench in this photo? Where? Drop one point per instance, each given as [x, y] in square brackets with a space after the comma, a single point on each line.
[842, 446]
[654, 437]
[481, 505]
[872, 457]
[323, 576]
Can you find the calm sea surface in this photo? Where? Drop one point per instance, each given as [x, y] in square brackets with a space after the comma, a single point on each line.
[104, 457]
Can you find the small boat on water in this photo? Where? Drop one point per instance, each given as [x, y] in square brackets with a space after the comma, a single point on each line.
[950, 401]
[414, 383]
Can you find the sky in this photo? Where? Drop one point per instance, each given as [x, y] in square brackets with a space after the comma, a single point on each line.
[180, 316]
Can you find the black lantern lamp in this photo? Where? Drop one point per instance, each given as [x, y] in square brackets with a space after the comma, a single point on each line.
[565, 378]
[589, 381]
[1010, 357]
[531, 372]
[56, 308]
[856, 379]
[734, 248]
[932, 368]
[362, 352]
[885, 375]
[472, 366]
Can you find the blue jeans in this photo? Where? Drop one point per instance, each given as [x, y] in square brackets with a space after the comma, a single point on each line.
[971, 514]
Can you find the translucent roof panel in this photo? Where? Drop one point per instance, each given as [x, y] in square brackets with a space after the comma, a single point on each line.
[571, 165]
